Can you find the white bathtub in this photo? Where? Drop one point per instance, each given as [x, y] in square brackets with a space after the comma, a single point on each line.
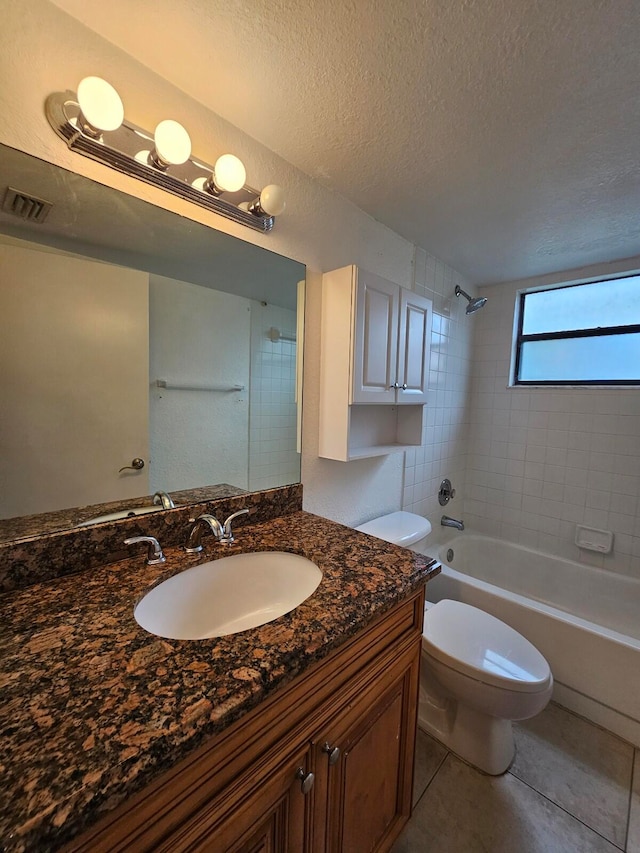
[585, 621]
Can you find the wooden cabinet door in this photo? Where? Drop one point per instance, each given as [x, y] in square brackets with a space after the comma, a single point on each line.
[375, 339]
[414, 347]
[264, 811]
[368, 788]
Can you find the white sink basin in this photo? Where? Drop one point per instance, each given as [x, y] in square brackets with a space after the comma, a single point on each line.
[227, 595]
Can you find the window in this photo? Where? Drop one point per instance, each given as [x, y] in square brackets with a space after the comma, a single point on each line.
[580, 334]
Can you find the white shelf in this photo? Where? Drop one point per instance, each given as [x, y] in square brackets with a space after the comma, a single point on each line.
[376, 450]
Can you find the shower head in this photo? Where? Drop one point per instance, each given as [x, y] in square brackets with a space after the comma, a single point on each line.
[474, 304]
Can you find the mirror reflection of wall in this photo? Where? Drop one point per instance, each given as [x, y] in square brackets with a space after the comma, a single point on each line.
[83, 347]
[199, 344]
[94, 313]
[74, 352]
[203, 343]
[273, 456]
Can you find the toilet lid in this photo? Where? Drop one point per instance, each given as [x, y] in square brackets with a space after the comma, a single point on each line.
[400, 528]
[479, 645]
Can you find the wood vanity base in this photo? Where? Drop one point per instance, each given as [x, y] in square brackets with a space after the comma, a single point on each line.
[243, 790]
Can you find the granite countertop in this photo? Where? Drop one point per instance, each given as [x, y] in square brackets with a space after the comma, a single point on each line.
[93, 707]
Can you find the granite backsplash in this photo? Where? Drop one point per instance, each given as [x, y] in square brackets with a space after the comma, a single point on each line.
[45, 556]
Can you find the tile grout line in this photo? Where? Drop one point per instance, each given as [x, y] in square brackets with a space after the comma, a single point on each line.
[633, 770]
[566, 811]
[536, 791]
[591, 723]
[435, 773]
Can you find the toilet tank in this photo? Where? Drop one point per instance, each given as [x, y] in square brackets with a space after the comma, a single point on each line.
[401, 528]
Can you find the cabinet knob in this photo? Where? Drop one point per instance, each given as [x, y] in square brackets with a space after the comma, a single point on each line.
[333, 752]
[306, 780]
[394, 385]
[404, 386]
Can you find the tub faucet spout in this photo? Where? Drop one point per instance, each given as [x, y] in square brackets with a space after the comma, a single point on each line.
[445, 521]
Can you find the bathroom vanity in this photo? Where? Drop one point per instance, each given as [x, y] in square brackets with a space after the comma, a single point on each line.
[297, 735]
[114, 738]
[324, 765]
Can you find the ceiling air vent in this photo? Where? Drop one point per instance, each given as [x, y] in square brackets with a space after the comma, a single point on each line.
[26, 206]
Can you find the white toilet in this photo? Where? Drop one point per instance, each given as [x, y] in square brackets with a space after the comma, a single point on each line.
[477, 673]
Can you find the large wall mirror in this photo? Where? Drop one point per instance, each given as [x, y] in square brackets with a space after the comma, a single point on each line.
[129, 335]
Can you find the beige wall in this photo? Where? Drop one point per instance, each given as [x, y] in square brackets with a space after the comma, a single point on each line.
[43, 50]
[74, 367]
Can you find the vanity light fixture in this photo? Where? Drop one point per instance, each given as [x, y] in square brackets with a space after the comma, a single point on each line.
[92, 123]
[172, 145]
[228, 174]
[101, 107]
[270, 202]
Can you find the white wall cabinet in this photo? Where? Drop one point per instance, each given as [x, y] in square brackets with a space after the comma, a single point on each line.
[374, 365]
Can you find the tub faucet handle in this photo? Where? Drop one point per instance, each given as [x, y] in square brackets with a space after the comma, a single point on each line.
[446, 493]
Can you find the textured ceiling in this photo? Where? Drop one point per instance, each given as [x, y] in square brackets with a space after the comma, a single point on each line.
[502, 136]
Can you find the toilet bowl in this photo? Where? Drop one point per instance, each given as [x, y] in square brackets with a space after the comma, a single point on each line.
[477, 674]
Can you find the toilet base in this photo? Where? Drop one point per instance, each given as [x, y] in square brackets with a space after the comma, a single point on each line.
[481, 740]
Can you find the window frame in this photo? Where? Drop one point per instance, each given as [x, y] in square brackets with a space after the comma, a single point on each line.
[571, 334]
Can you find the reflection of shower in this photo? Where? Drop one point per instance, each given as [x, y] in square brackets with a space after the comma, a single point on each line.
[276, 335]
[474, 304]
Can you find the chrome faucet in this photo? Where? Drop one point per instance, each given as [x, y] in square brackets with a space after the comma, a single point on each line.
[227, 533]
[154, 554]
[222, 532]
[200, 525]
[164, 499]
[446, 521]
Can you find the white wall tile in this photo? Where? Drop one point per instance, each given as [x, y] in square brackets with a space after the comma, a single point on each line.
[272, 461]
[444, 449]
[579, 451]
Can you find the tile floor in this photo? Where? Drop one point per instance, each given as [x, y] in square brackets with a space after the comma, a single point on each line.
[571, 789]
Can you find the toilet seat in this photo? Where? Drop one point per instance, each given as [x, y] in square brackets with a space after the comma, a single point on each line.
[478, 645]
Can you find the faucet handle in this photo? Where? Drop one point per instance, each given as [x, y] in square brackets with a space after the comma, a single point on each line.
[227, 533]
[447, 492]
[154, 554]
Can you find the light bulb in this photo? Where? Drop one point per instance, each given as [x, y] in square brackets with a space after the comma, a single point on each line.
[100, 104]
[173, 144]
[272, 200]
[229, 173]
